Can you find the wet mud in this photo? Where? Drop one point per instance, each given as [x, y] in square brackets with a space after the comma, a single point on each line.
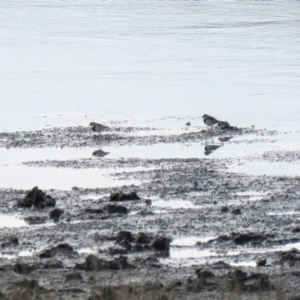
[192, 228]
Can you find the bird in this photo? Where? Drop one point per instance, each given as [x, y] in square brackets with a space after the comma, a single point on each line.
[209, 120]
[223, 124]
[100, 153]
[97, 127]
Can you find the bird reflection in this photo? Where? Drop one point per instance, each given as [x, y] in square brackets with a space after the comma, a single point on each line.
[209, 149]
[100, 153]
[225, 138]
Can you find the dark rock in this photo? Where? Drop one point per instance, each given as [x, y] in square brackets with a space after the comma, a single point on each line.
[204, 274]
[236, 279]
[236, 211]
[113, 209]
[94, 210]
[92, 263]
[59, 249]
[242, 238]
[117, 251]
[257, 282]
[188, 124]
[120, 196]
[10, 241]
[23, 269]
[124, 236]
[261, 262]
[172, 286]
[224, 209]
[142, 238]
[153, 286]
[296, 230]
[148, 202]
[35, 220]
[53, 264]
[162, 244]
[74, 276]
[37, 198]
[126, 245]
[292, 257]
[27, 284]
[55, 214]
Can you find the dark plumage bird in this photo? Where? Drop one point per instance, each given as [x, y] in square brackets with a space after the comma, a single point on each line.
[100, 153]
[209, 120]
[97, 127]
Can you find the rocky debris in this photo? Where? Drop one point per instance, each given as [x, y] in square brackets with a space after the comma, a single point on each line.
[296, 230]
[153, 286]
[35, 220]
[148, 202]
[10, 241]
[55, 214]
[115, 209]
[124, 236]
[94, 210]
[237, 211]
[59, 249]
[56, 264]
[224, 209]
[23, 269]
[37, 198]
[261, 262]
[27, 284]
[162, 244]
[203, 274]
[292, 257]
[142, 238]
[238, 281]
[74, 276]
[93, 263]
[242, 238]
[120, 196]
[149, 262]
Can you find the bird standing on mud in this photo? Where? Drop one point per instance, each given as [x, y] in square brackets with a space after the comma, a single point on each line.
[97, 127]
[209, 120]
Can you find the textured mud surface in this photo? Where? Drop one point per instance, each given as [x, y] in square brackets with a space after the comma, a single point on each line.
[192, 228]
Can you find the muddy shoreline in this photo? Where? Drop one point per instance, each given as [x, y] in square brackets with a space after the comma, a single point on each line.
[195, 230]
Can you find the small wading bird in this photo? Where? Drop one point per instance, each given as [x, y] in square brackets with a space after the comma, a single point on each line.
[100, 153]
[211, 121]
[97, 127]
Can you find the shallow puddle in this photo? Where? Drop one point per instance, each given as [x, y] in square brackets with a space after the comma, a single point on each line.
[174, 204]
[189, 255]
[24, 177]
[11, 222]
[190, 240]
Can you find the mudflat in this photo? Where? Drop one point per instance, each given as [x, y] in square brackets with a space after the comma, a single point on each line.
[151, 215]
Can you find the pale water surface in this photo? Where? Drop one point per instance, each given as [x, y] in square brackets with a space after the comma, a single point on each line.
[70, 62]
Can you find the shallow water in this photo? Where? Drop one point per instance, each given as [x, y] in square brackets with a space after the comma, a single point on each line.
[189, 255]
[11, 222]
[23, 177]
[75, 62]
